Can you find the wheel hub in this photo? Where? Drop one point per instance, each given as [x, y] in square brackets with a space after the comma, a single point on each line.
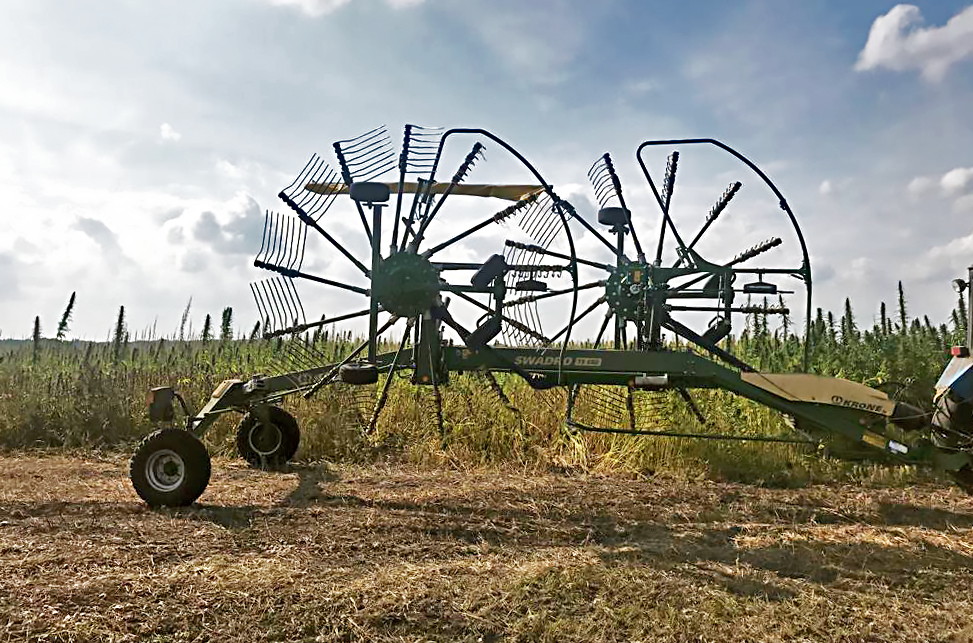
[405, 284]
[625, 289]
[165, 470]
[265, 439]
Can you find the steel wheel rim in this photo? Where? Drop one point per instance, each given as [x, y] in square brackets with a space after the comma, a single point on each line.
[165, 470]
[259, 431]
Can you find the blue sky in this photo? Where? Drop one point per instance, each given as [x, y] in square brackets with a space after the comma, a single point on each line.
[140, 142]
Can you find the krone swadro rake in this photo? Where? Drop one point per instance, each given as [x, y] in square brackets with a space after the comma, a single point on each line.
[568, 304]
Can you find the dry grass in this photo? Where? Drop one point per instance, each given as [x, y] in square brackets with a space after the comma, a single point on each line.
[403, 554]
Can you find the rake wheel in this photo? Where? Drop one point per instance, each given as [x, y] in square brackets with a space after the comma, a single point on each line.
[639, 297]
[409, 263]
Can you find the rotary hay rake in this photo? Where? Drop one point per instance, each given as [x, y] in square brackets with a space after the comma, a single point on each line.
[518, 313]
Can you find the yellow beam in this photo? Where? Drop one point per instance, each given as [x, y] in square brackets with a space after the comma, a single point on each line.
[506, 192]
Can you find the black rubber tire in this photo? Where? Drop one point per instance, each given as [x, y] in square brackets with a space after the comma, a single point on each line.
[281, 438]
[170, 468]
[358, 373]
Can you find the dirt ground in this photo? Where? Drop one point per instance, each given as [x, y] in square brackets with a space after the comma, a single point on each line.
[323, 553]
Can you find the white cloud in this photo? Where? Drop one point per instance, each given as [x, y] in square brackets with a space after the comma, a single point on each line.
[318, 8]
[945, 261]
[897, 41]
[537, 41]
[920, 185]
[168, 133]
[964, 204]
[313, 8]
[826, 187]
[957, 180]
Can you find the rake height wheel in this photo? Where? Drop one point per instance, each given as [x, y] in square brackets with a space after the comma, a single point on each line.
[405, 248]
[170, 468]
[268, 444]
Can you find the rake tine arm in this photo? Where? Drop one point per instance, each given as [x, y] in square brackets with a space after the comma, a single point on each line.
[664, 206]
[303, 216]
[274, 232]
[584, 314]
[403, 169]
[499, 217]
[346, 175]
[286, 272]
[617, 186]
[551, 293]
[300, 328]
[528, 247]
[461, 173]
[690, 334]
[498, 391]
[604, 327]
[513, 322]
[758, 249]
[684, 394]
[383, 396]
[361, 347]
[714, 213]
[597, 235]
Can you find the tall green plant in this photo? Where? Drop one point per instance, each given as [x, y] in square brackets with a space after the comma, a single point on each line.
[62, 326]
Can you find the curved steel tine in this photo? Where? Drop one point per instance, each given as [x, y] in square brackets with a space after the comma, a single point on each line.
[281, 317]
[279, 241]
[322, 202]
[260, 308]
[301, 173]
[305, 196]
[284, 248]
[379, 172]
[357, 157]
[283, 296]
[354, 141]
[309, 170]
[275, 234]
[263, 306]
[303, 242]
[292, 304]
[378, 168]
[300, 233]
[287, 301]
[297, 299]
[292, 225]
[273, 306]
[292, 237]
[263, 236]
[546, 223]
[326, 177]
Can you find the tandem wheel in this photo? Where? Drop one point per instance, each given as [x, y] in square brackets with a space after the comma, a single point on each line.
[170, 468]
[268, 445]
